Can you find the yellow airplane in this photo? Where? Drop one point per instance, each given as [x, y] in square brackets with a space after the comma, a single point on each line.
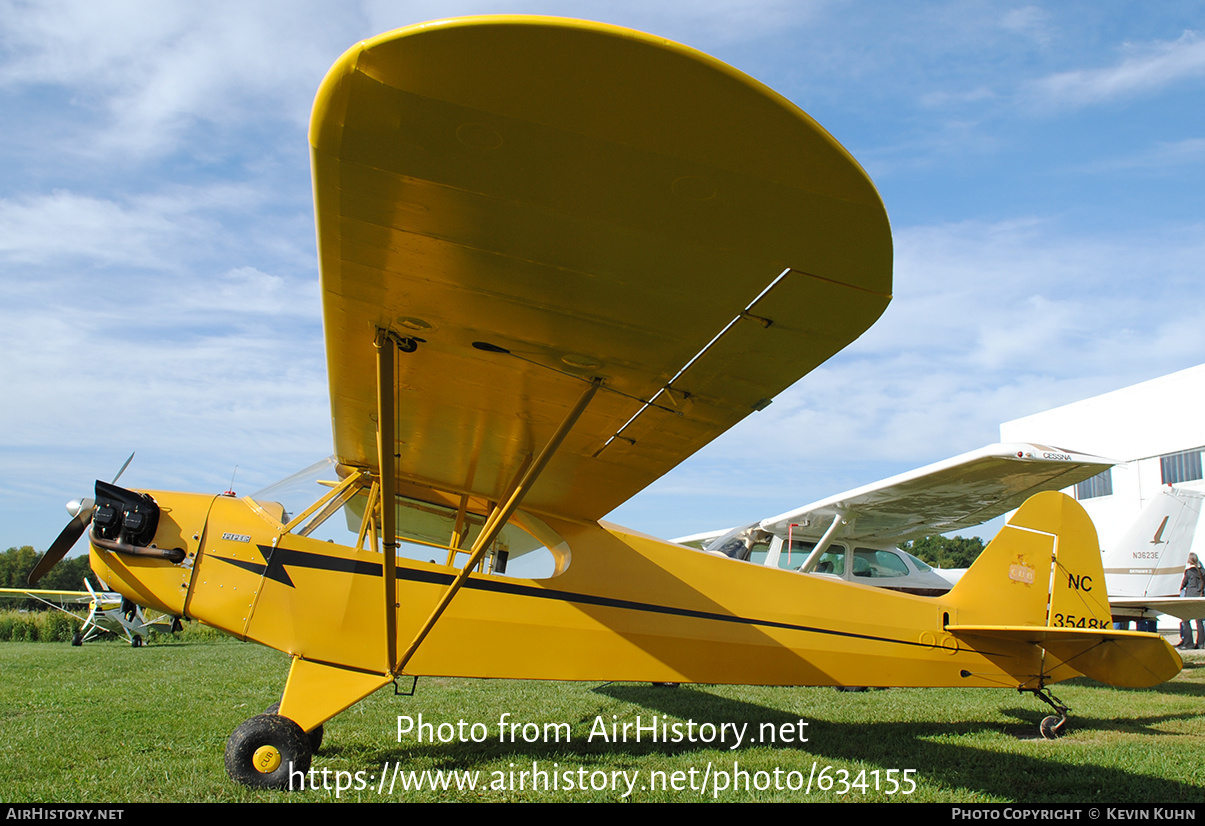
[557, 258]
[108, 612]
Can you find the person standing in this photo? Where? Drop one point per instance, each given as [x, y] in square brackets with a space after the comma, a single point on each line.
[1192, 585]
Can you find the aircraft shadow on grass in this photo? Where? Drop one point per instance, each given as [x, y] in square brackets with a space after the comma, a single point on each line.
[927, 746]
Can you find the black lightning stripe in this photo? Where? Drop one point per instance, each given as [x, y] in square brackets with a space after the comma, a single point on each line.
[279, 557]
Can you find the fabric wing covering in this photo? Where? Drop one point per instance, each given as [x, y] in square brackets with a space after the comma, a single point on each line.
[596, 202]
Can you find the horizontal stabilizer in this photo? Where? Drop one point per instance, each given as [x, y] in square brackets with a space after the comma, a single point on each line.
[1040, 582]
[1126, 659]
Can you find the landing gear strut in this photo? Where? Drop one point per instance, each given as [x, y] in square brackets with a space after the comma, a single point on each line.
[1051, 727]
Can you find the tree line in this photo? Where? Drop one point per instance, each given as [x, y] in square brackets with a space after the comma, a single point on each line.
[946, 551]
[68, 575]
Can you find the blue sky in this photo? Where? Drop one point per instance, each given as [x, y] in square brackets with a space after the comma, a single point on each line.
[1042, 164]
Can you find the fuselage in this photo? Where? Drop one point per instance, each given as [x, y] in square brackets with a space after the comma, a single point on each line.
[622, 606]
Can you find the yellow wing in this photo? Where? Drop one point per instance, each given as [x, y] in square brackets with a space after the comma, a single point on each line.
[57, 597]
[599, 203]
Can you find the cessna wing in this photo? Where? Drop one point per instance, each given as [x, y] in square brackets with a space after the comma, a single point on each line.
[854, 535]
[956, 493]
[609, 212]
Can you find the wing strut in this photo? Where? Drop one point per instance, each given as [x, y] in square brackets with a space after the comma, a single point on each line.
[809, 564]
[498, 518]
[385, 449]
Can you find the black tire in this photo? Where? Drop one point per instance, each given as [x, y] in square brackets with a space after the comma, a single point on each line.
[315, 735]
[1053, 727]
[136, 642]
[77, 638]
[268, 751]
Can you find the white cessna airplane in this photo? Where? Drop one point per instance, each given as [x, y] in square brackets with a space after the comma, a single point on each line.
[1143, 570]
[855, 535]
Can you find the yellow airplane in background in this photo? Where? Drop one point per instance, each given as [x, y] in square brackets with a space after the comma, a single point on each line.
[557, 258]
[108, 612]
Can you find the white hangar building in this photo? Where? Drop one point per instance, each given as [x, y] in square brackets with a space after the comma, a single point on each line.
[1155, 430]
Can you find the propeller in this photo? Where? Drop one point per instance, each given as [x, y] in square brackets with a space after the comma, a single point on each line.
[81, 516]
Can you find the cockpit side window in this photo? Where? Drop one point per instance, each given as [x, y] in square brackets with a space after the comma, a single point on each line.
[331, 503]
[871, 562]
[831, 562]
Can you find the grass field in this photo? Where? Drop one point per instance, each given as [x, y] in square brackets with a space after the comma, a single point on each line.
[108, 723]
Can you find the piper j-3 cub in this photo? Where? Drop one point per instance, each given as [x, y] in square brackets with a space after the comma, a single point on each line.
[557, 258]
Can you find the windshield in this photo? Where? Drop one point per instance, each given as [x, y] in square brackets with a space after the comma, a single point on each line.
[427, 531]
[297, 492]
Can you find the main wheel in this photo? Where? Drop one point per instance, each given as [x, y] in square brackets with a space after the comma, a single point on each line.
[77, 638]
[266, 752]
[315, 735]
[1053, 727]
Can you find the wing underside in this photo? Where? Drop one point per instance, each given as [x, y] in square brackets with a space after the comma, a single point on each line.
[956, 493]
[579, 202]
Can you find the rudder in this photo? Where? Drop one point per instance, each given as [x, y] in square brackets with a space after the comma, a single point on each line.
[1043, 568]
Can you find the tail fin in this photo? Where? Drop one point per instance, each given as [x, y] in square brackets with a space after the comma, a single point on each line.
[1043, 568]
[1041, 582]
[1149, 558]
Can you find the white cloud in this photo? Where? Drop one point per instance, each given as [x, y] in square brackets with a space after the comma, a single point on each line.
[1150, 67]
[991, 321]
[64, 226]
[155, 70]
[1163, 156]
[1030, 21]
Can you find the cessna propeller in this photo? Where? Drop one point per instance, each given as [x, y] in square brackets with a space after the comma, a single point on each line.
[81, 511]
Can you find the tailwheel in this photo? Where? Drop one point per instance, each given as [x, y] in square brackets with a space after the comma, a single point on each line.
[265, 751]
[1051, 727]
